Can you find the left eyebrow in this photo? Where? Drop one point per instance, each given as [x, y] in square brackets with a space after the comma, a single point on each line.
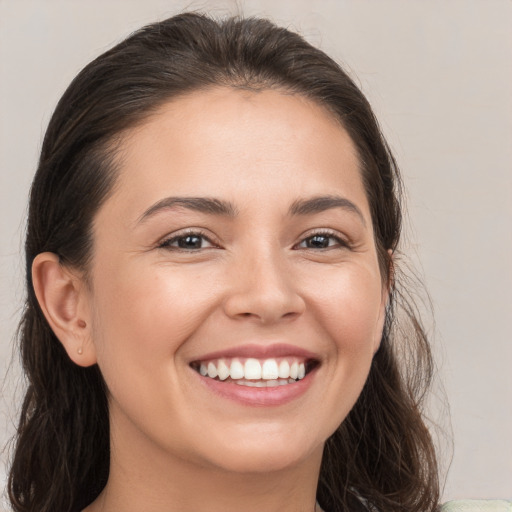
[208, 205]
[322, 203]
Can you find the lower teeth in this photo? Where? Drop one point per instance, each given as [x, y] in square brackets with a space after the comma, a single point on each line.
[264, 383]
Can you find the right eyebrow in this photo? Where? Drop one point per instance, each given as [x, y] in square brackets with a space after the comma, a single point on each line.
[322, 203]
[199, 204]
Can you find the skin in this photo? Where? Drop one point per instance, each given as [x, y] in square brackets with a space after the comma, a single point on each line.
[150, 308]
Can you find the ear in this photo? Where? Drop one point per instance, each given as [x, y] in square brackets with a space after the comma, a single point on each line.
[386, 290]
[63, 300]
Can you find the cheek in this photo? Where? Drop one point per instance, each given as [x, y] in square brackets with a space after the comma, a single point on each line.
[348, 305]
[142, 320]
[348, 311]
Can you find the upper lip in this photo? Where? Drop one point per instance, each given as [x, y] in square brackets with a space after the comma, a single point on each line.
[259, 352]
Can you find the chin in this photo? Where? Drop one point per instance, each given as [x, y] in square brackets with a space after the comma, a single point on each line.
[267, 453]
[261, 461]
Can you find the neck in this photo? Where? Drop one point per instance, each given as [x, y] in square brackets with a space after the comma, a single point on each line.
[144, 477]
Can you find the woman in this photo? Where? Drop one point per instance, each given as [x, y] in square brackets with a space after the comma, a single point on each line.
[211, 321]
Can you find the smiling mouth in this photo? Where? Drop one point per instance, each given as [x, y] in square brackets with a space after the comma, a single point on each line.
[252, 372]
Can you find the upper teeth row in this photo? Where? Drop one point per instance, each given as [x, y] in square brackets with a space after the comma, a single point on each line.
[253, 369]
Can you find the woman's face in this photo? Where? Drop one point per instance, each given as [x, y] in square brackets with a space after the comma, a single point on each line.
[238, 242]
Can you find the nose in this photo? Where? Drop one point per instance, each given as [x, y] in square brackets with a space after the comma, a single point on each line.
[263, 289]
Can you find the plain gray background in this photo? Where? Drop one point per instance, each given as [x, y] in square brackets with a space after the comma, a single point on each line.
[439, 75]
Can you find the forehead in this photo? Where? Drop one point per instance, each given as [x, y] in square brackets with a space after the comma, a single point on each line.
[237, 143]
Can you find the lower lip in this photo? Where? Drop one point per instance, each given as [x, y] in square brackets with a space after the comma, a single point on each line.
[259, 397]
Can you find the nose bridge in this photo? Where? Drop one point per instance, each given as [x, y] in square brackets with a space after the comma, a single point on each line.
[263, 286]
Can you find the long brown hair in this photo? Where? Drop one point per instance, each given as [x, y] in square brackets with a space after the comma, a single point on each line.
[381, 457]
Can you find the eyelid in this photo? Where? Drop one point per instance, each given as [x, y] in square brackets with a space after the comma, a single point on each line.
[344, 242]
[165, 242]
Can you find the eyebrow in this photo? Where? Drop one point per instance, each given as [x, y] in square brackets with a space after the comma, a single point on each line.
[322, 203]
[215, 206]
[208, 205]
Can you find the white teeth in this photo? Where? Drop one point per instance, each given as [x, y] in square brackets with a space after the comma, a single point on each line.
[212, 370]
[223, 370]
[284, 369]
[264, 383]
[253, 383]
[294, 370]
[237, 370]
[269, 371]
[252, 369]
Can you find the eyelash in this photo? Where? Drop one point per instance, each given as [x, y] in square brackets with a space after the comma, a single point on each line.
[340, 242]
[166, 244]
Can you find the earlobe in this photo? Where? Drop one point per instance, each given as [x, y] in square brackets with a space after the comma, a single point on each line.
[62, 299]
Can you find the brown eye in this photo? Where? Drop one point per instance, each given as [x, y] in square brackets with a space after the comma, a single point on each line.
[187, 242]
[318, 242]
[190, 242]
[322, 241]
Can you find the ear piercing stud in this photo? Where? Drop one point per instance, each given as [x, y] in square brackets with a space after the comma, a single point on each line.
[81, 323]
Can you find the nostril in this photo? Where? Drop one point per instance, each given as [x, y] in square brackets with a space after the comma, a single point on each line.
[267, 300]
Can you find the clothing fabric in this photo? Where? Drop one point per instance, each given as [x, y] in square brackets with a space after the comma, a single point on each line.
[477, 506]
